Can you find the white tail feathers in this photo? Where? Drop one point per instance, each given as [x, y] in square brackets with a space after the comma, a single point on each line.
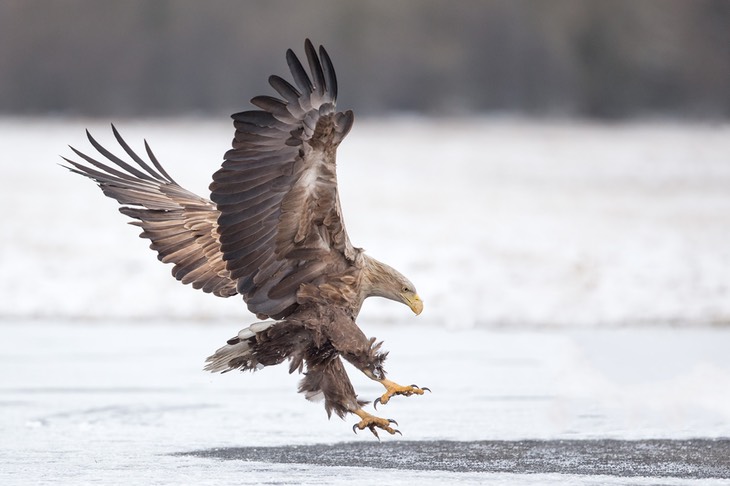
[237, 354]
[224, 357]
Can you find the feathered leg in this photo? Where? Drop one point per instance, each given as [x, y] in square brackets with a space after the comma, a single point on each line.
[328, 379]
[365, 355]
[269, 343]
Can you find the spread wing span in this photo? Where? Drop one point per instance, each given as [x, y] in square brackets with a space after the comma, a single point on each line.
[273, 232]
[280, 219]
[181, 225]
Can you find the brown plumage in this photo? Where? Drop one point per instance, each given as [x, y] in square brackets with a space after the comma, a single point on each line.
[272, 232]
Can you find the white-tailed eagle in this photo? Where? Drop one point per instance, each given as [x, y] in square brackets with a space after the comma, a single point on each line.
[272, 232]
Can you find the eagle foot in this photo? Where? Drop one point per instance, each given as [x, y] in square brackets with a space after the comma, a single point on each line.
[371, 422]
[392, 389]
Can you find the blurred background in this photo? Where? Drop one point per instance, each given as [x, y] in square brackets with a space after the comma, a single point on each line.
[526, 163]
[606, 59]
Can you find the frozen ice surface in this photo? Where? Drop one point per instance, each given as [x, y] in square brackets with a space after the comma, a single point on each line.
[498, 222]
[114, 403]
[689, 459]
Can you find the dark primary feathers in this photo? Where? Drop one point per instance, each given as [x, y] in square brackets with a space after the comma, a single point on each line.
[281, 223]
[181, 225]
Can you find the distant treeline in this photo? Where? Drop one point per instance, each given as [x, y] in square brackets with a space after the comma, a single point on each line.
[598, 58]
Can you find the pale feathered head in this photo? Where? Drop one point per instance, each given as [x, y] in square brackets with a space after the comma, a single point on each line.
[382, 280]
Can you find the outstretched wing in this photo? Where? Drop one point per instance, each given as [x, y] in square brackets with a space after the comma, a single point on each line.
[181, 225]
[281, 223]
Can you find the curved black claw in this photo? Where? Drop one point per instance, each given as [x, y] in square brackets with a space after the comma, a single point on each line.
[395, 431]
[422, 388]
[354, 428]
[375, 403]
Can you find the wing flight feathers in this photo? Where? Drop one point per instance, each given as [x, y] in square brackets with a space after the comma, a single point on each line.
[275, 222]
[281, 222]
[181, 226]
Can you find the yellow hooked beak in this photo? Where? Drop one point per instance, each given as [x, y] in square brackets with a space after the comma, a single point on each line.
[415, 303]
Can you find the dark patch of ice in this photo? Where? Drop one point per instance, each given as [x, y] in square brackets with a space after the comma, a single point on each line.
[691, 459]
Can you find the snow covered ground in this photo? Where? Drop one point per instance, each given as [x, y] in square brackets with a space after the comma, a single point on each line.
[575, 278]
[498, 222]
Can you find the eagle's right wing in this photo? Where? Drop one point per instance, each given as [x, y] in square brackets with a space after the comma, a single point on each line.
[182, 226]
[281, 223]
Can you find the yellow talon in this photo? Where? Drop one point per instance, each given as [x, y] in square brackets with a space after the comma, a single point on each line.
[371, 421]
[392, 388]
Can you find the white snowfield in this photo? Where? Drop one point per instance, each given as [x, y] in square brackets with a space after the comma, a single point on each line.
[576, 280]
[498, 222]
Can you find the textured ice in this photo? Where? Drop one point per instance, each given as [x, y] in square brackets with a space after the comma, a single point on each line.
[113, 403]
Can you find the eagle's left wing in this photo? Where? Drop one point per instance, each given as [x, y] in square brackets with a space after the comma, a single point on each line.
[181, 225]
